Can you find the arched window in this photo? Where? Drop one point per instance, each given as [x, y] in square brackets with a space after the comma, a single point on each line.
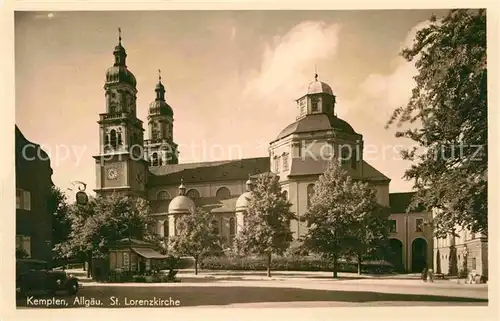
[113, 138]
[120, 142]
[276, 164]
[163, 195]
[223, 193]
[193, 194]
[285, 162]
[215, 227]
[155, 159]
[232, 226]
[285, 193]
[310, 192]
[106, 140]
[112, 109]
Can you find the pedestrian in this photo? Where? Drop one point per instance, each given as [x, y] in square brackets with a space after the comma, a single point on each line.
[430, 275]
[424, 275]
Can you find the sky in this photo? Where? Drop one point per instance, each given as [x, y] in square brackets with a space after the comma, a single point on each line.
[231, 77]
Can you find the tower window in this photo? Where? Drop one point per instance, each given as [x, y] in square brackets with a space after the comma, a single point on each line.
[310, 193]
[419, 225]
[314, 104]
[276, 164]
[106, 139]
[302, 105]
[232, 226]
[120, 142]
[112, 138]
[155, 159]
[285, 162]
[354, 159]
[215, 227]
[392, 226]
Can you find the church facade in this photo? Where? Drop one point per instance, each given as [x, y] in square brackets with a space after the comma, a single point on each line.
[299, 154]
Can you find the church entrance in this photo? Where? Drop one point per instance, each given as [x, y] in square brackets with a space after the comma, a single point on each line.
[395, 256]
[418, 255]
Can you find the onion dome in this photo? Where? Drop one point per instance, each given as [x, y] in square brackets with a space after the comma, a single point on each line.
[119, 72]
[319, 87]
[242, 202]
[181, 204]
[159, 106]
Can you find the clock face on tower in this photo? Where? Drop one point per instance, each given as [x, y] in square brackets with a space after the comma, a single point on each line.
[112, 173]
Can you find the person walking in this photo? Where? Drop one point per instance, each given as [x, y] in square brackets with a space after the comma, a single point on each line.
[424, 275]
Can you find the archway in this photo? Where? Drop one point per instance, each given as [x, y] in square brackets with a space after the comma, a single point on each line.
[396, 254]
[418, 255]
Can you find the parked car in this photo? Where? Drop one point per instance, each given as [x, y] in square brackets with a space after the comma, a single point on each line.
[36, 275]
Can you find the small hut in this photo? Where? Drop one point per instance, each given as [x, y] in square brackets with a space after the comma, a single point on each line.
[128, 255]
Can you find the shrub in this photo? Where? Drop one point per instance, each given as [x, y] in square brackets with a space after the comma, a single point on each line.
[140, 278]
[291, 263]
[119, 276]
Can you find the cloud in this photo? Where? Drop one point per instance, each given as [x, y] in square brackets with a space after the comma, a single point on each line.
[380, 94]
[282, 73]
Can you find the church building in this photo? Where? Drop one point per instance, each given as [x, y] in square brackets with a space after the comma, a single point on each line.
[298, 154]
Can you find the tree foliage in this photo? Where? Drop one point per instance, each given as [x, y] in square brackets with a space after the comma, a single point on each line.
[104, 220]
[344, 217]
[449, 102]
[266, 228]
[61, 222]
[195, 236]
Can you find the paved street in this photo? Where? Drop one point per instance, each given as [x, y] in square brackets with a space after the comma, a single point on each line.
[285, 292]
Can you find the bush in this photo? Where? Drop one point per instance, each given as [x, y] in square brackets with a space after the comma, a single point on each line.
[292, 263]
[120, 276]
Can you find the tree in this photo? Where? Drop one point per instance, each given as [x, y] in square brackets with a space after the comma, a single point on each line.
[371, 223]
[196, 236]
[266, 228]
[343, 217]
[104, 220]
[438, 262]
[450, 103]
[61, 223]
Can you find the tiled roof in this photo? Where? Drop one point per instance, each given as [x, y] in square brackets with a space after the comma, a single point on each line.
[208, 171]
[215, 205]
[316, 122]
[209, 204]
[311, 166]
[399, 202]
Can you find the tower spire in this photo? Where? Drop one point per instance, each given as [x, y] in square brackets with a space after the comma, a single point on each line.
[315, 72]
[159, 76]
[119, 36]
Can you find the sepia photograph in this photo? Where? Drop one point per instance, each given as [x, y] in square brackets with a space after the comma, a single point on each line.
[251, 158]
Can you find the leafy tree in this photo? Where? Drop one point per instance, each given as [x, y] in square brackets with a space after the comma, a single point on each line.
[438, 262]
[61, 223]
[371, 223]
[266, 228]
[453, 261]
[343, 217]
[104, 220]
[196, 236]
[450, 104]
